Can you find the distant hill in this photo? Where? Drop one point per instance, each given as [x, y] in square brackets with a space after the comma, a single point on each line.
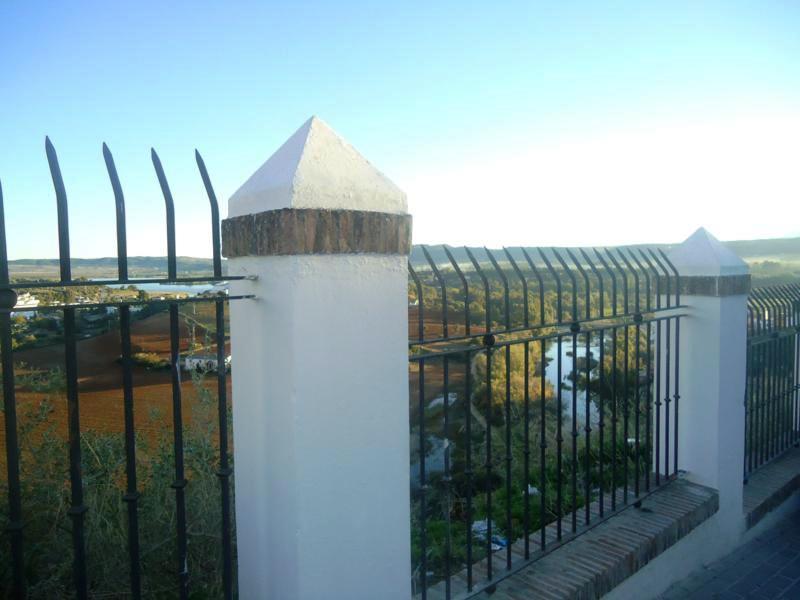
[771, 261]
[751, 251]
[106, 268]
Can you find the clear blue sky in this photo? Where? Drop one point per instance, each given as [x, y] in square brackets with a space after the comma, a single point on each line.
[506, 123]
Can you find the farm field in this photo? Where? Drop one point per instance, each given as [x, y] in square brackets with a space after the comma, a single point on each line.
[100, 381]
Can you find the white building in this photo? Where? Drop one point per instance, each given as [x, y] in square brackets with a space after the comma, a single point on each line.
[26, 300]
[203, 362]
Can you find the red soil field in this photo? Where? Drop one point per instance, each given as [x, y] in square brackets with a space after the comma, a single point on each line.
[100, 382]
[100, 377]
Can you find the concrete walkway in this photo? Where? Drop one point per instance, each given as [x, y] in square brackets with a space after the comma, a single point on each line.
[766, 567]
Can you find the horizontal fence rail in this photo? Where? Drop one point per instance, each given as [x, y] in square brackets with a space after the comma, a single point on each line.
[544, 398]
[21, 563]
[772, 403]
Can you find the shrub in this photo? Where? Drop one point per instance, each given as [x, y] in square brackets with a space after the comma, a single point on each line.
[150, 361]
[46, 501]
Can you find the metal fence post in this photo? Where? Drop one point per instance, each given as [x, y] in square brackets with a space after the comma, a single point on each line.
[710, 345]
[320, 375]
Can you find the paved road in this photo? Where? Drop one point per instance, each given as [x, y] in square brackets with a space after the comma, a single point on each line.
[767, 567]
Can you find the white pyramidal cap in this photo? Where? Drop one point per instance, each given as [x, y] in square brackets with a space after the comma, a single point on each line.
[703, 254]
[315, 168]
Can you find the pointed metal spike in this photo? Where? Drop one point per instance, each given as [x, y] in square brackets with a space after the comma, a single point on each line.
[172, 268]
[119, 201]
[212, 199]
[62, 210]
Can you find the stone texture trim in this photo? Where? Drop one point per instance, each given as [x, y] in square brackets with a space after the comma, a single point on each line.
[295, 231]
[709, 285]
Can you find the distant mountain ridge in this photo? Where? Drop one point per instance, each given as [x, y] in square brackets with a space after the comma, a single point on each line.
[748, 250]
[786, 249]
[31, 269]
[139, 262]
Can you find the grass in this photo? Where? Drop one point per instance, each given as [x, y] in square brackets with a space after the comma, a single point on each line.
[46, 501]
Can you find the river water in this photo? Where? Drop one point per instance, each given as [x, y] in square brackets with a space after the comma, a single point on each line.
[551, 374]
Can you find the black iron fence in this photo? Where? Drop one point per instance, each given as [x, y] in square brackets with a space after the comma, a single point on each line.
[772, 402]
[545, 398]
[26, 563]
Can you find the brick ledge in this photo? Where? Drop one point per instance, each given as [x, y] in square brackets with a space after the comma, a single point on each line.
[602, 558]
[769, 486]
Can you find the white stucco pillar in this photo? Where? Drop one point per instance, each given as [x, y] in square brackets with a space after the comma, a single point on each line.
[713, 346]
[320, 375]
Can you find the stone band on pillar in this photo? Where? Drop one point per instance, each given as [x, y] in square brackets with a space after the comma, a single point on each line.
[709, 285]
[708, 268]
[297, 231]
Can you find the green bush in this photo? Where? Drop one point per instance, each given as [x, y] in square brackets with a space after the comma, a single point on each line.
[46, 501]
[150, 360]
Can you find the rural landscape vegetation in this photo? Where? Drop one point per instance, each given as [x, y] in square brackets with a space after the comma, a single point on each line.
[453, 505]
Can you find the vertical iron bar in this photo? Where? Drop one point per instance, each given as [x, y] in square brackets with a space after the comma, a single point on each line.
[77, 509]
[542, 446]
[509, 530]
[131, 497]
[667, 357]
[765, 399]
[179, 485]
[575, 327]
[507, 403]
[423, 485]
[468, 460]
[637, 366]
[575, 434]
[749, 406]
[650, 355]
[588, 432]
[446, 479]
[676, 394]
[614, 418]
[625, 407]
[224, 473]
[488, 465]
[527, 449]
[14, 525]
[559, 442]
[587, 427]
[526, 408]
[764, 386]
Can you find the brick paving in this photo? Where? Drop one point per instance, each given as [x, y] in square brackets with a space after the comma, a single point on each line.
[767, 567]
